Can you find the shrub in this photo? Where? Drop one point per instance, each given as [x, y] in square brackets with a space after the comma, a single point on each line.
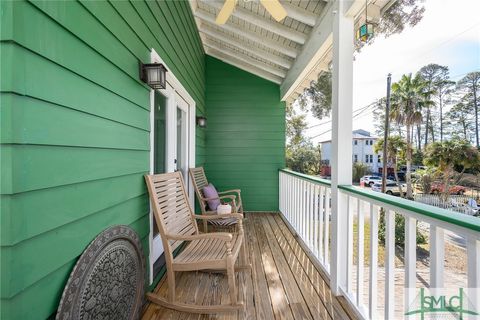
[359, 170]
[399, 231]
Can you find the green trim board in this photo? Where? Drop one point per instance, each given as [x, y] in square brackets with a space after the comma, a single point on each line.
[455, 218]
[307, 177]
[245, 137]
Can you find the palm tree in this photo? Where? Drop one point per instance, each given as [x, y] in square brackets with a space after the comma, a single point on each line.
[395, 151]
[410, 95]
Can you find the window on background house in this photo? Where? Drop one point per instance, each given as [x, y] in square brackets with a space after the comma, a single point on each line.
[355, 142]
[371, 158]
[379, 159]
[355, 158]
[366, 158]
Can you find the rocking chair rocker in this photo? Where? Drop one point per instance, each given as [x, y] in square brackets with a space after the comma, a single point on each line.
[216, 251]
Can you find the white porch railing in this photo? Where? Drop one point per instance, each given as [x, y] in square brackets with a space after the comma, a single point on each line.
[377, 289]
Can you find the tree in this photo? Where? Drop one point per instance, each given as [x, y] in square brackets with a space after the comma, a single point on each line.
[471, 85]
[448, 155]
[460, 122]
[400, 14]
[444, 89]
[301, 155]
[319, 96]
[304, 157]
[436, 77]
[396, 147]
[409, 96]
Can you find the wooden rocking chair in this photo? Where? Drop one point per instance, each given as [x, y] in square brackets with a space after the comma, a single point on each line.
[207, 251]
[199, 181]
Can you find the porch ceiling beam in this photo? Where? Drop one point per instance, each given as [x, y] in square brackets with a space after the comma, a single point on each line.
[262, 22]
[252, 36]
[319, 43]
[299, 14]
[246, 59]
[257, 51]
[242, 65]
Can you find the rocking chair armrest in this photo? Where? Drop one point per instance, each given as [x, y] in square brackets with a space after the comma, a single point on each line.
[230, 191]
[232, 197]
[225, 236]
[238, 216]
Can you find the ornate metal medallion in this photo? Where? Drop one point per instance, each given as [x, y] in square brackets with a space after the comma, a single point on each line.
[108, 280]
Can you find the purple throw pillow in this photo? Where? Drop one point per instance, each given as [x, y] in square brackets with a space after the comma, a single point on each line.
[210, 192]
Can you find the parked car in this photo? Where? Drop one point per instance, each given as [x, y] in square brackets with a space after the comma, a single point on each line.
[370, 180]
[401, 176]
[392, 188]
[439, 188]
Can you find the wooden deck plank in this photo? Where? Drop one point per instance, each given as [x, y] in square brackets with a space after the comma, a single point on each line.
[283, 282]
[294, 294]
[280, 303]
[317, 276]
[317, 308]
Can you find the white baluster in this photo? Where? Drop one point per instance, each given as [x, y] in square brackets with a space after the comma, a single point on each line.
[473, 269]
[390, 265]
[360, 251]
[373, 262]
[327, 225]
[410, 261]
[321, 218]
[312, 215]
[315, 220]
[349, 252]
[437, 256]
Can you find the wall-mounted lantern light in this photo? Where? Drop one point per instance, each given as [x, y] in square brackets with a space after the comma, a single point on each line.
[201, 121]
[153, 74]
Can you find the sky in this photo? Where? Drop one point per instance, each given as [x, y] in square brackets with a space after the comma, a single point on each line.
[448, 34]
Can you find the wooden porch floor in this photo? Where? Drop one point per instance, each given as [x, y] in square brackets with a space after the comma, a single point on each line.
[283, 283]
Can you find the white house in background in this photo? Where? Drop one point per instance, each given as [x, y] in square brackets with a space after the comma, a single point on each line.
[362, 150]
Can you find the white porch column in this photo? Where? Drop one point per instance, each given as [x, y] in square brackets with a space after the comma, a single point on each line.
[342, 97]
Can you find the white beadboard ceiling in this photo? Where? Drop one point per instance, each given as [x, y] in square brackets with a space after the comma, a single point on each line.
[291, 52]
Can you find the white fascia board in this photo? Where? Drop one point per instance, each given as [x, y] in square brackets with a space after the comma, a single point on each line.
[320, 41]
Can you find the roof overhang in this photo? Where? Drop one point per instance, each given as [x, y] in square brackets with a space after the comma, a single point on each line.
[291, 53]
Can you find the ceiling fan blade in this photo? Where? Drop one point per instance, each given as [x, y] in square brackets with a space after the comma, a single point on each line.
[226, 11]
[275, 8]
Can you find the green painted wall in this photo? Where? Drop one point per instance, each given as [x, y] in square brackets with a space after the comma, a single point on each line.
[245, 135]
[75, 131]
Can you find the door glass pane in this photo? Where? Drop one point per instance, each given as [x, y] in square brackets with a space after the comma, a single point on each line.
[159, 133]
[182, 141]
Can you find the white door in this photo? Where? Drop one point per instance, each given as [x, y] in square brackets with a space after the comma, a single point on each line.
[172, 141]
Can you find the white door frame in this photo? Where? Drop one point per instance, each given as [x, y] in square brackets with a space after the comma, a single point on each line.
[173, 88]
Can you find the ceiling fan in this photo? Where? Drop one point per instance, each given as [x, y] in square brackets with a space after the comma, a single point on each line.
[274, 7]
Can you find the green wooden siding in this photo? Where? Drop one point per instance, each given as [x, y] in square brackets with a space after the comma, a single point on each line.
[245, 138]
[75, 131]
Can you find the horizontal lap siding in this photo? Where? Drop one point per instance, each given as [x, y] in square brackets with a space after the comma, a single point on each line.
[75, 131]
[246, 134]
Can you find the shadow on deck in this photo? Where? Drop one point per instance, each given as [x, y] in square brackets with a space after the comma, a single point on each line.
[283, 283]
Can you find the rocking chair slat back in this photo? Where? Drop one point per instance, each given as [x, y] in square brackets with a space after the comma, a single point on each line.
[171, 208]
[199, 182]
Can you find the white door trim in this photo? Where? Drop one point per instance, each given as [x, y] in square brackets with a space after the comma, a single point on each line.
[174, 87]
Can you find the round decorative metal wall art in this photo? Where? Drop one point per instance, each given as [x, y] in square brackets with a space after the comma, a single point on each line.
[108, 280]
